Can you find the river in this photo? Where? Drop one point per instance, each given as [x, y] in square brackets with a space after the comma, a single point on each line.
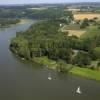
[21, 80]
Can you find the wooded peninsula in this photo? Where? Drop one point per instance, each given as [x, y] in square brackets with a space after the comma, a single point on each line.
[46, 43]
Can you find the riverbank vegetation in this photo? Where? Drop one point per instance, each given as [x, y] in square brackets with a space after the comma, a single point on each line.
[4, 22]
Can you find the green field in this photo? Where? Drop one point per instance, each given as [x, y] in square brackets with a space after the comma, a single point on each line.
[87, 73]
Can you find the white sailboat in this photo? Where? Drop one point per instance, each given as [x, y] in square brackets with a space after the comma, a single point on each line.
[79, 90]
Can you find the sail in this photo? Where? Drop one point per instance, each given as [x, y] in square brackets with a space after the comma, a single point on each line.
[78, 90]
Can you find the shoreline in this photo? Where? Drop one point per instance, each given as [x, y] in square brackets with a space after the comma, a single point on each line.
[78, 71]
[71, 69]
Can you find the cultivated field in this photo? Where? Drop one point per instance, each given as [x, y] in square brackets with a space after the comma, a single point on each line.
[81, 16]
[73, 30]
[77, 33]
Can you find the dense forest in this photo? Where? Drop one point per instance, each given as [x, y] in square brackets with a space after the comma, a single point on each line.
[45, 39]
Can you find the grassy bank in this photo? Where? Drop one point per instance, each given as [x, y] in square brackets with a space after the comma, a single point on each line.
[51, 64]
[45, 61]
[85, 72]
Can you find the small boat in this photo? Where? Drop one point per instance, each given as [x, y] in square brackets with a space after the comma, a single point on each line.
[49, 77]
[79, 90]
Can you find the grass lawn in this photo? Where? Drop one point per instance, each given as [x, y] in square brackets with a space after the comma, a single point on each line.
[45, 61]
[87, 73]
